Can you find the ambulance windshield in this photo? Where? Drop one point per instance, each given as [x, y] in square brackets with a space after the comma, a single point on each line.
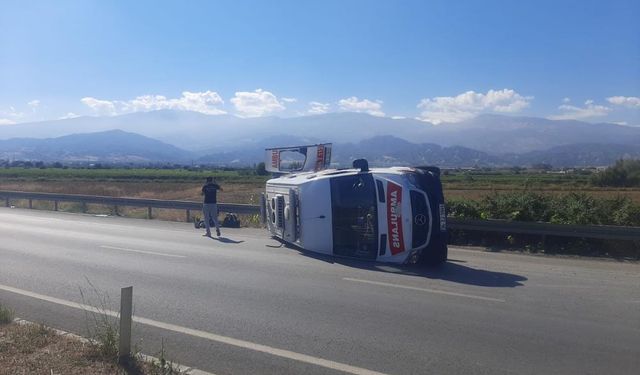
[355, 216]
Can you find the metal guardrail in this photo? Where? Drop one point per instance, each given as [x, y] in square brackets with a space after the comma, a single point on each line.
[7, 196]
[547, 229]
[503, 226]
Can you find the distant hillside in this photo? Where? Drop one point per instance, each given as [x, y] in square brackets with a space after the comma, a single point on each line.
[108, 146]
[123, 147]
[205, 134]
[389, 151]
[577, 155]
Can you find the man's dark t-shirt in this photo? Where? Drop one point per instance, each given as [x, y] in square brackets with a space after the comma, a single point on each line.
[210, 192]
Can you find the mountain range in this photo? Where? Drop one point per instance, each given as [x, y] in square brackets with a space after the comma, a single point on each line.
[180, 137]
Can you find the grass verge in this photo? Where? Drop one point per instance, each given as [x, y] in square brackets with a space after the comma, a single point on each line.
[6, 315]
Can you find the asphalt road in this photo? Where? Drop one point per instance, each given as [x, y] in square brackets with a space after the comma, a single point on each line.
[243, 304]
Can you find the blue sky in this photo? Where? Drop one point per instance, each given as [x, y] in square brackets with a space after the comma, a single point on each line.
[441, 61]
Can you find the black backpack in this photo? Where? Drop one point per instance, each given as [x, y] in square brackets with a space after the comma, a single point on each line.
[231, 221]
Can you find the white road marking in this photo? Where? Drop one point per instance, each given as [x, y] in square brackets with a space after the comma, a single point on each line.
[142, 251]
[435, 291]
[205, 335]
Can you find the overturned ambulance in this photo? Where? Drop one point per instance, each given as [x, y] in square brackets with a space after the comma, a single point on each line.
[394, 214]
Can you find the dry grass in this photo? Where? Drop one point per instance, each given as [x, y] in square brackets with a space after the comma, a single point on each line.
[27, 348]
[234, 192]
[6, 315]
[36, 349]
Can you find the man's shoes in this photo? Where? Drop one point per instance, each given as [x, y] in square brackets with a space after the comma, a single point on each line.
[218, 232]
[208, 234]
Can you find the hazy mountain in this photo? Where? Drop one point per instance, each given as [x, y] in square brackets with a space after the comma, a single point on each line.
[503, 134]
[576, 155]
[108, 146]
[206, 134]
[124, 147]
[490, 140]
[389, 151]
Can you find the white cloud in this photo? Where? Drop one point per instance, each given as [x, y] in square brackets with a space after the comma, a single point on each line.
[33, 104]
[469, 104]
[353, 104]
[68, 115]
[626, 101]
[257, 103]
[590, 109]
[398, 117]
[9, 117]
[289, 100]
[104, 107]
[206, 102]
[317, 108]
[566, 100]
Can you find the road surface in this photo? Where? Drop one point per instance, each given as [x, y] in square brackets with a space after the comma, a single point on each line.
[244, 304]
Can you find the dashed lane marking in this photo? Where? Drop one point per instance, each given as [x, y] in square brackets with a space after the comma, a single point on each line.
[434, 291]
[142, 251]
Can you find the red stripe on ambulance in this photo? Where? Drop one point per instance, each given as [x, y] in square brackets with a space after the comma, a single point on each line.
[394, 218]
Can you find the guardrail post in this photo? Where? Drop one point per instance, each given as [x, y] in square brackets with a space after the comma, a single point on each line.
[6, 202]
[149, 213]
[126, 310]
[115, 210]
[84, 207]
[30, 203]
[188, 216]
[55, 205]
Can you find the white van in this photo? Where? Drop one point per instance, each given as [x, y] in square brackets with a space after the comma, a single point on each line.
[394, 215]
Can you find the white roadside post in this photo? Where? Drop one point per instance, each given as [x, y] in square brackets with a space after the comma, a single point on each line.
[126, 310]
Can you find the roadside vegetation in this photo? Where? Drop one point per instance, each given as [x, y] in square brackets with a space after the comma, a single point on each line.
[6, 315]
[625, 173]
[572, 208]
[33, 348]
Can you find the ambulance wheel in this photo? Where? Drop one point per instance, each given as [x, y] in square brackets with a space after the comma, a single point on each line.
[437, 256]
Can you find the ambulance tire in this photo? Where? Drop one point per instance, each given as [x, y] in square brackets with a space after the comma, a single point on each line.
[437, 256]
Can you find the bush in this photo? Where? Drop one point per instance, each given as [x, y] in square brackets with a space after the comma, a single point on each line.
[625, 173]
[6, 315]
[573, 208]
[464, 209]
[524, 206]
[576, 208]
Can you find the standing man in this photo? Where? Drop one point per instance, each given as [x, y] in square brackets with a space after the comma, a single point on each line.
[210, 205]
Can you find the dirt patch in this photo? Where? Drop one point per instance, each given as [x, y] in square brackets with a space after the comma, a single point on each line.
[28, 348]
[35, 349]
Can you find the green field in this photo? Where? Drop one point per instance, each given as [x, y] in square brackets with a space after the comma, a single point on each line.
[127, 174]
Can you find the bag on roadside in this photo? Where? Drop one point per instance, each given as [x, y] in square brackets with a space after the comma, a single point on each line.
[231, 221]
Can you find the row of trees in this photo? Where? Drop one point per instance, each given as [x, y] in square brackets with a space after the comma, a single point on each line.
[625, 173]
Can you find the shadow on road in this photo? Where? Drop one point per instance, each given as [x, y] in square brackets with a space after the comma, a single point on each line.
[225, 240]
[451, 271]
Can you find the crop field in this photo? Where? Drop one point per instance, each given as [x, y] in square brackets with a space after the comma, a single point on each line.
[476, 186]
[238, 186]
[241, 186]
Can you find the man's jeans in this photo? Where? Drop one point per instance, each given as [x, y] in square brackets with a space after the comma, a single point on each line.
[210, 211]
